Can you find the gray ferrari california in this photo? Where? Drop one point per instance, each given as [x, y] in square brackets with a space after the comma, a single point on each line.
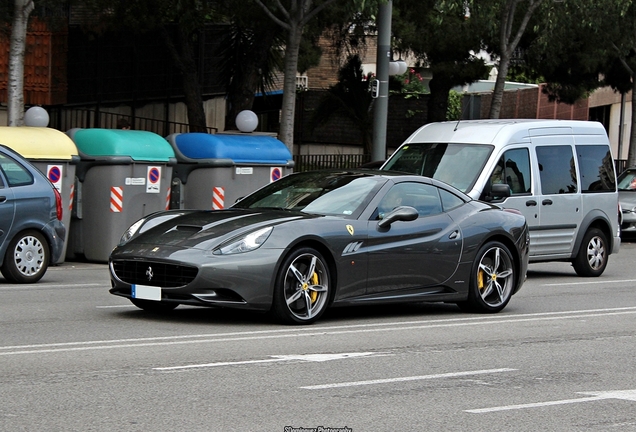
[317, 239]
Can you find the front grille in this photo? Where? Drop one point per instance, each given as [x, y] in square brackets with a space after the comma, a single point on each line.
[163, 275]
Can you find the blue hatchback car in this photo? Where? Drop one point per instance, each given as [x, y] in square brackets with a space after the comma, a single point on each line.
[31, 229]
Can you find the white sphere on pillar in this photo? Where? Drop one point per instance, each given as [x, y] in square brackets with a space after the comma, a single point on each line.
[246, 121]
[36, 116]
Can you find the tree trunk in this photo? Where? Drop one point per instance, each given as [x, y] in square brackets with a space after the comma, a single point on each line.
[184, 59]
[631, 156]
[438, 100]
[247, 76]
[500, 84]
[286, 134]
[15, 89]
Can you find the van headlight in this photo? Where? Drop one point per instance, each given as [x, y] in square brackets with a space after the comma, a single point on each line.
[245, 243]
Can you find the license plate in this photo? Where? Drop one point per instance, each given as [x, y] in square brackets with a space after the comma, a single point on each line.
[146, 292]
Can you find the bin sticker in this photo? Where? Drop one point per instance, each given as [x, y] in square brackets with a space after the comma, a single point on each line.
[135, 181]
[54, 173]
[244, 170]
[274, 174]
[71, 197]
[218, 198]
[154, 179]
[116, 199]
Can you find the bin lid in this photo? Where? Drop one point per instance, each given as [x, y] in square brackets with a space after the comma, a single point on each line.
[252, 149]
[38, 142]
[138, 145]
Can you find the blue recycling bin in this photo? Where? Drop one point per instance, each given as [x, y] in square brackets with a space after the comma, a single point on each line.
[122, 176]
[215, 170]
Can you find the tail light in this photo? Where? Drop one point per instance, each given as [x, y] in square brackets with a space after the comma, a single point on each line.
[58, 204]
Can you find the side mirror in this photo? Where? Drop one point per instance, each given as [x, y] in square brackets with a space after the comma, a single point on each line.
[401, 213]
[500, 190]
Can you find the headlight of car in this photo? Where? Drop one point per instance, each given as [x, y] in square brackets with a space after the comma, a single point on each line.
[246, 243]
[131, 231]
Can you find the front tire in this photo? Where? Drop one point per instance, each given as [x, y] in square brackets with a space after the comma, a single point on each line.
[27, 258]
[593, 254]
[301, 294]
[492, 280]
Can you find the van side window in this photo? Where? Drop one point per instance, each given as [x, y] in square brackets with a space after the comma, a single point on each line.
[597, 168]
[513, 169]
[556, 169]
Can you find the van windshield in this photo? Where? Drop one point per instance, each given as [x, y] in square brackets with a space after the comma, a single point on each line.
[456, 164]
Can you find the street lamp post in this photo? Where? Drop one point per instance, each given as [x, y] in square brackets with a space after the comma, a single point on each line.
[382, 72]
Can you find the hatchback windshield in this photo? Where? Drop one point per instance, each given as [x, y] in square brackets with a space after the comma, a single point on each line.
[456, 164]
[324, 193]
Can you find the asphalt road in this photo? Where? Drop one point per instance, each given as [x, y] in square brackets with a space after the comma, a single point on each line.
[560, 357]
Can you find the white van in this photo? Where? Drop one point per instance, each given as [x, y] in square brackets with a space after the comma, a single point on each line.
[558, 173]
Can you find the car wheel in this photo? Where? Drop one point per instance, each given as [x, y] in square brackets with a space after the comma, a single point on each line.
[301, 293]
[27, 258]
[592, 257]
[492, 279]
[154, 306]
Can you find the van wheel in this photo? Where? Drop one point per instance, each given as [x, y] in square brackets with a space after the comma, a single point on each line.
[592, 257]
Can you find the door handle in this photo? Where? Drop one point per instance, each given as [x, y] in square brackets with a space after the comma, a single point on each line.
[454, 235]
[531, 203]
[546, 202]
[3, 199]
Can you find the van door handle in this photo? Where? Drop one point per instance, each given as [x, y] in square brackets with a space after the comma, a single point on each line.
[547, 202]
[3, 199]
[531, 203]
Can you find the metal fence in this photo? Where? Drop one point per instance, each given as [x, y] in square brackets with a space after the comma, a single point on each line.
[326, 161]
[65, 119]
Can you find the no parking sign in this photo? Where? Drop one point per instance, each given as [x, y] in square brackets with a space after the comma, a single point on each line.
[153, 185]
[275, 173]
[54, 173]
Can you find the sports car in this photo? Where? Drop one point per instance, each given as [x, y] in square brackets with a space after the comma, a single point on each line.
[313, 240]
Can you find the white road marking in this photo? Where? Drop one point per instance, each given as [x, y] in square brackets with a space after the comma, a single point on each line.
[403, 379]
[315, 330]
[596, 282]
[595, 396]
[41, 285]
[277, 358]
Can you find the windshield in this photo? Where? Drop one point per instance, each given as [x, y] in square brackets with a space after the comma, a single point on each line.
[456, 164]
[316, 192]
[627, 181]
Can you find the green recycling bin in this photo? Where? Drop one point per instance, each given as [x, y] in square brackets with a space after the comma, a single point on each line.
[55, 155]
[215, 170]
[122, 176]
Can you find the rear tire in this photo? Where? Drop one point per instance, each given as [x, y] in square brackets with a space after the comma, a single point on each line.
[27, 258]
[593, 254]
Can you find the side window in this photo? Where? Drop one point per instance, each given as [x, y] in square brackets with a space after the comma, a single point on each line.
[597, 168]
[449, 200]
[15, 173]
[556, 169]
[424, 198]
[513, 169]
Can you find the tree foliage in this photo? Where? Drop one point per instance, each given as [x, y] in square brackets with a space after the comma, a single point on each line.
[443, 36]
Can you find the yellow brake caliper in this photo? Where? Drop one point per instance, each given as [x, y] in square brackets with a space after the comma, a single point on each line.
[314, 281]
[480, 280]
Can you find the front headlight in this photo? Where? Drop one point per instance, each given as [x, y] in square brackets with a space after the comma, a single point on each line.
[246, 243]
[131, 231]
